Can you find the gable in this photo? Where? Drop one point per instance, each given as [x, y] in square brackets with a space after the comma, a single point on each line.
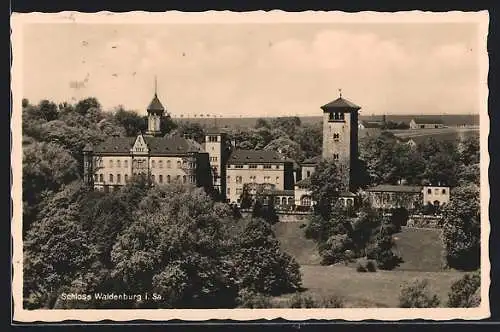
[140, 145]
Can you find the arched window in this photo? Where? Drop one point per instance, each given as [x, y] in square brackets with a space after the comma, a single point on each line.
[111, 178]
[111, 163]
[178, 164]
[161, 163]
[118, 178]
[160, 178]
[290, 200]
[305, 201]
[184, 179]
[101, 178]
[444, 191]
[118, 163]
[125, 164]
[283, 201]
[126, 178]
[153, 178]
[169, 164]
[153, 164]
[168, 178]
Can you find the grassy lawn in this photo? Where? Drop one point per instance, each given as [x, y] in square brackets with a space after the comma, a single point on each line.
[420, 249]
[293, 241]
[378, 289]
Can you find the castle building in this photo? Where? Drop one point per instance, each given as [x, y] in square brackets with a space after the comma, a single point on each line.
[161, 160]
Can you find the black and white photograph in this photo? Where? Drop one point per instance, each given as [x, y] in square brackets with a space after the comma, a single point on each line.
[314, 165]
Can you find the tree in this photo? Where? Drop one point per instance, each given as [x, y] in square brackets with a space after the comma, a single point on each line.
[130, 121]
[465, 292]
[177, 249]
[326, 185]
[416, 294]
[262, 123]
[55, 248]
[286, 147]
[260, 264]
[85, 106]
[48, 110]
[245, 198]
[310, 140]
[461, 228]
[191, 130]
[288, 124]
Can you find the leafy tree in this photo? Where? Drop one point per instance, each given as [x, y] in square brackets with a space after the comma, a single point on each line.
[310, 140]
[245, 198]
[48, 110]
[468, 150]
[86, 106]
[130, 121]
[261, 123]
[326, 185]
[286, 147]
[55, 248]
[193, 130]
[260, 265]
[461, 228]
[288, 124]
[176, 249]
[465, 293]
[416, 294]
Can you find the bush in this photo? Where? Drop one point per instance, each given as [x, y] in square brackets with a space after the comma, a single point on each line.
[332, 301]
[465, 293]
[371, 266]
[253, 300]
[416, 294]
[302, 301]
[360, 267]
[364, 265]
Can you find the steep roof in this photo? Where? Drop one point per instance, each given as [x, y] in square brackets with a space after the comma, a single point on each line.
[312, 161]
[395, 188]
[340, 103]
[172, 145]
[304, 183]
[256, 156]
[427, 120]
[155, 105]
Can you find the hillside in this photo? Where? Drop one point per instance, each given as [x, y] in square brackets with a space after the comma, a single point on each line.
[420, 248]
[293, 241]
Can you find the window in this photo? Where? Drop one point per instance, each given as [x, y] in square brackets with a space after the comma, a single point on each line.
[336, 136]
[111, 163]
[184, 179]
[118, 178]
[335, 156]
[111, 178]
[277, 179]
[214, 159]
[277, 166]
[178, 164]
[95, 177]
[160, 164]
[192, 179]
[238, 179]
[101, 178]
[118, 163]
[153, 164]
[169, 164]
[125, 164]
[253, 178]
[239, 191]
[443, 191]
[267, 166]
[267, 179]
[252, 166]
[126, 177]
[168, 178]
[238, 166]
[436, 191]
[212, 138]
[229, 191]
[160, 178]
[228, 178]
[290, 201]
[308, 173]
[178, 178]
[429, 191]
[153, 178]
[283, 201]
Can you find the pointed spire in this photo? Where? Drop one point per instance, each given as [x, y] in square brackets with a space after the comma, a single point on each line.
[156, 86]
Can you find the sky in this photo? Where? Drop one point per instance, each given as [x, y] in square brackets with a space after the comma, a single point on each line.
[251, 70]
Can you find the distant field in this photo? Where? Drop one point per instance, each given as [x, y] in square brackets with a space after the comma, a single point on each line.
[247, 122]
[379, 289]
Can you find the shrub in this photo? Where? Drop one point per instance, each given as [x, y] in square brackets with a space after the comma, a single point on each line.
[302, 301]
[253, 300]
[465, 292]
[360, 267]
[416, 294]
[371, 266]
[332, 301]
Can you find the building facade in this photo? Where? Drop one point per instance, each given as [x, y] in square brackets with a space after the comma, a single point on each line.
[426, 123]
